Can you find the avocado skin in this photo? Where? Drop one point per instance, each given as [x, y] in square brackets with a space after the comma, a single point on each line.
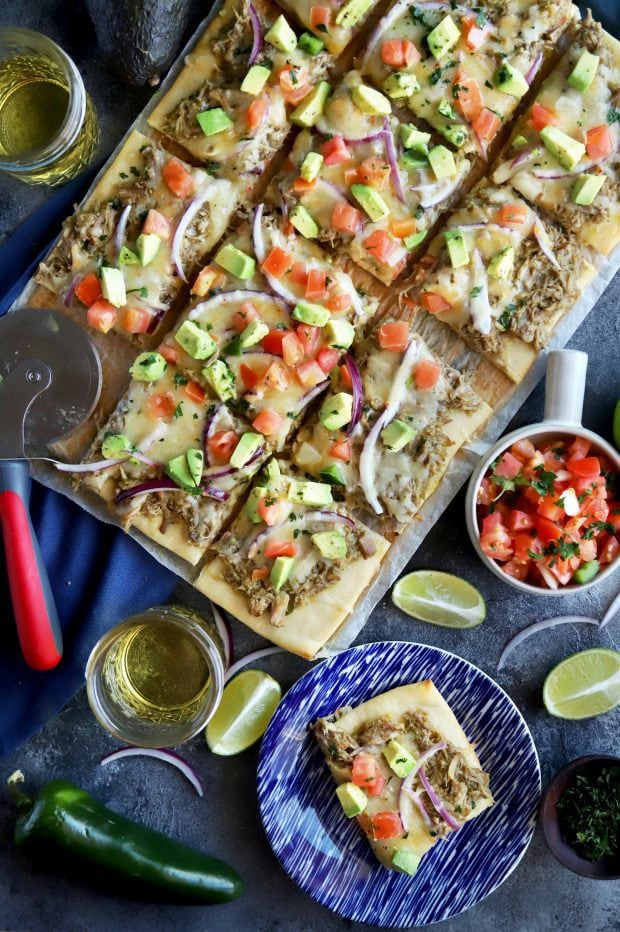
[141, 38]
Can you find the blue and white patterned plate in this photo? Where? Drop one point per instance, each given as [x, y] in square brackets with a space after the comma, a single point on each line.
[329, 857]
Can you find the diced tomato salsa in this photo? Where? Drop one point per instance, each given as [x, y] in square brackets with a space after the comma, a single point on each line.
[547, 514]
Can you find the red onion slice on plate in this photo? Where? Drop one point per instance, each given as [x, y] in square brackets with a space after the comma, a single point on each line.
[250, 658]
[392, 158]
[537, 626]
[88, 467]
[406, 788]
[119, 236]
[152, 485]
[179, 234]
[437, 803]
[257, 34]
[358, 393]
[71, 289]
[533, 69]
[260, 250]
[163, 754]
[223, 629]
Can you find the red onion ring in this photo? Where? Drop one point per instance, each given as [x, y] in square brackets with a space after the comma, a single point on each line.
[437, 803]
[406, 788]
[261, 251]
[537, 626]
[152, 485]
[163, 754]
[179, 233]
[218, 495]
[390, 154]
[232, 297]
[223, 629]
[156, 319]
[358, 393]
[312, 394]
[88, 467]
[533, 69]
[71, 289]
[119, 235]
[257, 34]
[250, 658]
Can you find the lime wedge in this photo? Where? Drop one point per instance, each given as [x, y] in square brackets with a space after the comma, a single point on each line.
[584, 684]
[440, 598]
[616, 424]
[248, 702]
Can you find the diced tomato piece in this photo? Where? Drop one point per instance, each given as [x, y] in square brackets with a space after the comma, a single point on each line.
[101, 315]
[516, 569]
[377, 788]
[309, 373]
[341, 450]
[587, 549]
[315, 287]
[271, 513]
[261, 572]
[547, 530]
[524, 545]
[512, 215]
[299, 274]
[346, 218]
[178, 179]
[523, 450]
[486, 124]
[277, 262]
[399, 53]
[195, 392]
[335, 151]
[363, 770]
[586, 467]
[599, 144]
[579, 448]
[474, 35]
[543, 116]
[469, 99]
[301, 186]
[394, 336]
[426, 374]
[380, 245]
[374, 172]
[208, 279]
[256, 113]
[89, 289]
[497, 544]
[161, 405]
[222, 444]
[320, 16]
[277, 377]
[244, 316]
[562, 569]
[134, 319]
[249, 377]
[614, 514]
[595, 508]
[491, 521]
[337, 303]
[156, 223]
[170, 353]
[268, 422]
[292, 348]
[547, 509]
[345, 376]
[386, 825]
[309, 337]
[279, 548]
[351, 176]
[402, 228]
[609, 549]
[434, 303]
[291, 78]
[508, 466]
[327, 359]
[519, 521]
[272, 342]
[486, 492]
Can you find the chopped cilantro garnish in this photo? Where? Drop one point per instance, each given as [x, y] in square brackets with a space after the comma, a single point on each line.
[543, 484]
[178, 411]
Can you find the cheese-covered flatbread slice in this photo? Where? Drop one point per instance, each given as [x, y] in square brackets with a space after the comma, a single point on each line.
[334, 22]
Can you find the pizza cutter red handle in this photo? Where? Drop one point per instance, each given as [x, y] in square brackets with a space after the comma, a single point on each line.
[35, 612]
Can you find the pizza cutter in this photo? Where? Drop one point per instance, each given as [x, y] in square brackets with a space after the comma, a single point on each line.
[50, 381]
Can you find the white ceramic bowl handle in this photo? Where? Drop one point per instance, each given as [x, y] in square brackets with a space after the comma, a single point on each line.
[565, 386]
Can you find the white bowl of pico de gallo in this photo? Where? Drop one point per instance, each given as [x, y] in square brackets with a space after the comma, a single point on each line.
[543, 504]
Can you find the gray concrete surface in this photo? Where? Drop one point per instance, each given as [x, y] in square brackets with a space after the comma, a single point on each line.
[540, 896]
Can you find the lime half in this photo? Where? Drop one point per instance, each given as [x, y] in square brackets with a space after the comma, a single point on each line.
[440, 598]
[248, 702]
[584, 684]
[616, 424]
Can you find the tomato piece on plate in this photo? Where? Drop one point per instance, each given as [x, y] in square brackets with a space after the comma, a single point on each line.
[519, 521]
[277, 262]
[614, 514]
[474, 35]
[261, 572]
[543, 116]
[101, 315]
[272, 341]
[89, 289]
[195, 392]
[515, 569]
[315, 286]
[206, 280]
[345, 376]
[486, 124]
[599, 144]
[256, 113]
[301, 186]
[309, 337]
[434, 303]
[547, 530]
[374, 172]
[512, 215]
[292, 348]
[548, 509]
[273, 513]
[469, 99]
[170, 353]
[523, 450]
[277, 377]
[525, 545]
[320, 16]
[178, 179]
[402, 228]
[586, 467]
[268, 422]
[496, 543]
[579, 448]
[310, 373]
[341, 450]
[394, 336]
[299, 273]
[327, 359]
[364, 769]
[244, 316]
[609, 549]
[492, 521]
[346, 218]
[386, 825]
[426, 374]
[249, 376]
[134, 319]
[337, 303]
[334, 151]
[156, 223]
[222, 444]
[382, 247]
[161, 405]
[399, 53]
[279, 548]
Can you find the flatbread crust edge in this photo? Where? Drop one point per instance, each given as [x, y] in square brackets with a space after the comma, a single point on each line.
[106, 187]
[310, 626]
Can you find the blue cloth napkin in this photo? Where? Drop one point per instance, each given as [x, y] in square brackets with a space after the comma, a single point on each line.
[99, 575]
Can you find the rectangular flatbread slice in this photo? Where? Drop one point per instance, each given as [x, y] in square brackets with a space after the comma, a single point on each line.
[502, 275]
[334, 22]
[373, 203]
[294, 564]
[469, 67]
[416, 413]
[577, 183]
[377, 752]
[151, 218]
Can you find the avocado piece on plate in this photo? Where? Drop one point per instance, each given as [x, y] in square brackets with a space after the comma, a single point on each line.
[397, 435]
[352, 798]
[312, 106]
[195, 341]
[583, 74]
[510, 81]
[236, 262]
[399, 759]
[314, 314]
[148, 245]
[214, 121]
[586, 187]
[221, 380]
[330, 544]
[336, 411]
[245, 449]
[113, 286]
[311, 166]
[255, 80]
[370, 101]
[502, 263]
[333, 475]
[565, 149]
[280, 571]
[457, 248]
[148, 367]
[372, 202]
[253, 334]
[310, 44]
[442, 162]
[309, 493]
[443, 37]
[401, 84]
[339, 334]
[178, 470]
[304, 222]
[115, 446]
[195, 464]
[281, 36]
[352, 12]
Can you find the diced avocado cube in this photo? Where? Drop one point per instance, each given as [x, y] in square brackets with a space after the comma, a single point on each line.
[455, 133]
[311, 166]
[586, 572]
[406, 861]
[510, 80]
[115, 446]
[582, 75]
[352, 12]
[195, 464]
[397, 435]
[586, 188]
[251, 505]
[565, 149]
[339, 334]
[312, 106]
[413, 160]
[221, 380]
[236, 262]
[127, 257]
[214, 121]
[178, 470]
[457, 248]
[519, 142]
[401, 84]
[248, 444]
[446, 109]
[372, 202]
[442, 162]
[309, 493]
[280, 571]
[443, 37]
[399, 758]
[352, 798]
[410, 242]
[331, 544]
[336, 411]
[370, 101]
[148, 367]
[271, 471]
[310, 44]
[113, 286]
[253, 334]
[195, 341]
[255, 80]
[148, 245]
[413, 138]
[304, 222]
[333, 475]
[502, 263]
[314, 314]
[281, 36]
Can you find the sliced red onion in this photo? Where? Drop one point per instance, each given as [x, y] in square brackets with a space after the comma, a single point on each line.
[365, 140]
[392, 158]
[422, 809]
[212, 491]
[339, 194]
[505, 170]
[71, 289]
[553, 174]
[258, 539]
[611, 611]
[179, 234]
[537, 626]
[250, 658]
[358, 393]
[522, 156]
[312, 394]
[334, 516]
[88, 467]
[208, 431]
[223, 629]
[138, 455]
[438, 192]
[156, 435]
[152, 485]
[260, 250]
[163, 754]
[232, 297]
[257, 34]
[437, 803]
[533, 69]
[156, 319]
[406, 788]
[542, 238]
[119, 236]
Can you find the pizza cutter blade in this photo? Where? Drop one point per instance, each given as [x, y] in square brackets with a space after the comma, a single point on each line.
[50, 382]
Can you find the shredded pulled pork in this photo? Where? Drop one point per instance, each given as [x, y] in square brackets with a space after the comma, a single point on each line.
[337, 746]
[380, 731]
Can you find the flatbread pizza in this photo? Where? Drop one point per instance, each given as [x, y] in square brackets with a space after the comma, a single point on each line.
[334, 22]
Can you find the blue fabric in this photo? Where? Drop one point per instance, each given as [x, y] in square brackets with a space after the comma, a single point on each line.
[98, 574]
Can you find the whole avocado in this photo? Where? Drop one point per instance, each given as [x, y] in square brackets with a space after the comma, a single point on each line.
[139, 38]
